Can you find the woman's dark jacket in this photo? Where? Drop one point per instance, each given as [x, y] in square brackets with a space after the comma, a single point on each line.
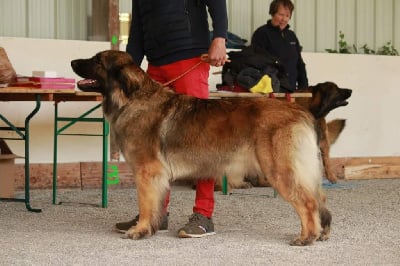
[284, 45]
[166, 31]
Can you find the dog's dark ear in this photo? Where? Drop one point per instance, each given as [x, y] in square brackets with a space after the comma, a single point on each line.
[130, 79]
[316, 103]
[335, 127]
[115, 60]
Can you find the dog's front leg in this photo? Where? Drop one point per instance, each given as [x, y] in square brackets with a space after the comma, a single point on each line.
[151, 187]
[325, 149]
[143, 227]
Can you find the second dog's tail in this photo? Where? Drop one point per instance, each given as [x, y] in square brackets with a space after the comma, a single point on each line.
[335, 127]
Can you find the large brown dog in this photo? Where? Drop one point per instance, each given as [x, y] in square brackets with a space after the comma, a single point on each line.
[165, 136]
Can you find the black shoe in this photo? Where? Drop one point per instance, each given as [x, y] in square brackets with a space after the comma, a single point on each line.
[123, 227]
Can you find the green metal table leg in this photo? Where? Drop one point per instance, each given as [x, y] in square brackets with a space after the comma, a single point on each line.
[59, 131]
[104, 201]
[55, 143]
[27, 174]
[224, 185]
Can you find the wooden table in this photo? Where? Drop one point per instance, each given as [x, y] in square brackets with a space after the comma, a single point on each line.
[56, 96]
[288, 96]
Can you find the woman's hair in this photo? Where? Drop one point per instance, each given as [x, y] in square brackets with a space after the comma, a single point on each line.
[273, 7]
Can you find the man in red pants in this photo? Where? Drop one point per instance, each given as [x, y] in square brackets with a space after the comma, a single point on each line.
[173, 35]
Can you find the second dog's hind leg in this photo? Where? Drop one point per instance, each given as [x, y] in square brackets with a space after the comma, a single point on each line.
[325, 217]
[324, 145]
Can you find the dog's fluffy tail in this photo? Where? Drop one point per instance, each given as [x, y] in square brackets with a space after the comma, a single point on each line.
[335, 127]
[306, 158]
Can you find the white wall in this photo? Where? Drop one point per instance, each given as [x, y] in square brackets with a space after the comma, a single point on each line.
[371, 130]
[317, 23]
[372, 114]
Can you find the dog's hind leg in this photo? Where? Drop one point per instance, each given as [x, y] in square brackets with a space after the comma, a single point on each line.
[306, 206]
[305, 202]
[326, 219]
[295, 172]
[151, 189]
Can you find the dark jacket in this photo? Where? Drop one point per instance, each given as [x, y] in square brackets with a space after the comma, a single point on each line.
[166, 31]
[251, 63]
[284, 45]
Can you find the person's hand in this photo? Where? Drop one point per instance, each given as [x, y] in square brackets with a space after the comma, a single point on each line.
[217, 52]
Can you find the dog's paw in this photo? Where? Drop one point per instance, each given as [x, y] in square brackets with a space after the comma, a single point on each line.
[324, 235]
[245, 185]
[302, 242]
[332, 178]
[135, 234]
[323, 238]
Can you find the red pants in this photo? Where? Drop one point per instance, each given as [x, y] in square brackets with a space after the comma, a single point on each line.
[193, 83]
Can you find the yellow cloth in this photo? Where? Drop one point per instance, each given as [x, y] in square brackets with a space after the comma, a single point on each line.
[263, 86]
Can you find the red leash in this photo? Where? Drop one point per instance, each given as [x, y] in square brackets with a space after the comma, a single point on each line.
[184, 73]
[203, 59]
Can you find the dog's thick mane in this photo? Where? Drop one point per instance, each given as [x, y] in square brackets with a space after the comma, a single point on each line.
[131, 82]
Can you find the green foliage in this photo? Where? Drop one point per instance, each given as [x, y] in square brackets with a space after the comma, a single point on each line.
[388, 49]
[367, 50]
[345, 48]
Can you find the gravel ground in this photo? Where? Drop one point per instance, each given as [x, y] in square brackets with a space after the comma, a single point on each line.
[253, 228]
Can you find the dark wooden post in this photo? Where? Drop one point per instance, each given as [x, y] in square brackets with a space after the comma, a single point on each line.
[113, 29]
[99, 23]
[113, 23]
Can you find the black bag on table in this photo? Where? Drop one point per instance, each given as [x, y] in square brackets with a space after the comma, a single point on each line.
[247, 66]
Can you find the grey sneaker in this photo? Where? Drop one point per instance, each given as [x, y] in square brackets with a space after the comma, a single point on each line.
[198, 226]
[125, 226]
